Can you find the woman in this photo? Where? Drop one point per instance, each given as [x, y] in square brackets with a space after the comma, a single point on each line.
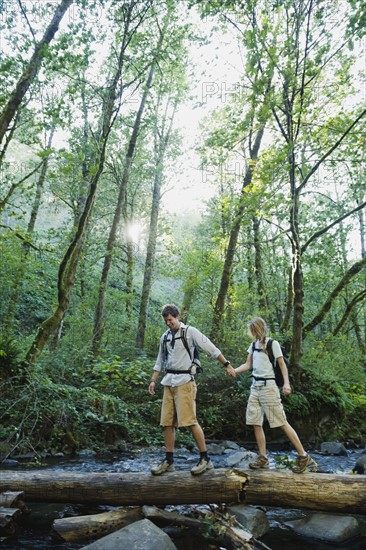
[265, 397]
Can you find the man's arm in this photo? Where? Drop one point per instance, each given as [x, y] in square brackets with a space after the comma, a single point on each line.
[227, 365]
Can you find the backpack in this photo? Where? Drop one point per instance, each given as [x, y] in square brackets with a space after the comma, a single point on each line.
[276, 367]
[195, 367]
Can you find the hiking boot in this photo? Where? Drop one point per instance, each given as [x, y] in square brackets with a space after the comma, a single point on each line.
[202, 465]
[165, 466]
[260, 462]
[303, 462]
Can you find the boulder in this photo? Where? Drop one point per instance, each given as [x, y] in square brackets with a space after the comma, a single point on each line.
[230, 445]
[251, 518]
[330, 528]
[215, 448]
[241, 459]
[360, 466]
[141, 535]
[333, 448]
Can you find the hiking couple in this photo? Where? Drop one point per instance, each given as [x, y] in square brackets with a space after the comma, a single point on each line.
[176, 360]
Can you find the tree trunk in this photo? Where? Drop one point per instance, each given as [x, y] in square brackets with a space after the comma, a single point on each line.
[233, 239]
[161, 144]
[19, 276]
[330, 492]
[261, 287]
[32, 68]
[347, 277]
[100, 308]
[95, 525]
[69, 264]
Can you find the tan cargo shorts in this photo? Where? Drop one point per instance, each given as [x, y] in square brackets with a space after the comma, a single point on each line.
[265, 401]
[179, 405]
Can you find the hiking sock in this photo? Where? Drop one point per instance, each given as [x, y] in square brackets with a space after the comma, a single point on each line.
[204, 455]
[169, 457]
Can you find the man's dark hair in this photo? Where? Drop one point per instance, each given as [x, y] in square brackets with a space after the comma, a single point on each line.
[170, 309]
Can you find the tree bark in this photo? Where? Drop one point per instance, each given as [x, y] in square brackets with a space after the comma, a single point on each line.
[330, 492]
[32, 69]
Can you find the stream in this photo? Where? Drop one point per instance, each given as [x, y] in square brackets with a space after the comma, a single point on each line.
[35, 529]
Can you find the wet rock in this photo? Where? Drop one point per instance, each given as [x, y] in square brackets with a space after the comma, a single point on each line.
[333, 448]
[251, 518]
[215, 449]
[230, 445]
[240, 459]
[87, 453]
[330, 528]
[141, 535]
[9, 463]
[360, 466]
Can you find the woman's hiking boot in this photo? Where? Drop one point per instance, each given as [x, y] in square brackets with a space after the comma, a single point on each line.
[202, 465]
[304, 462]
[260, 462]
[165, 466]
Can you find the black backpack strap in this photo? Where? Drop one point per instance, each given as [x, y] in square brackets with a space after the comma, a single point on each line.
[183, 332]
[270, 351]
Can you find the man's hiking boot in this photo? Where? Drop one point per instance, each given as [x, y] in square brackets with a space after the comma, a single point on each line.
[303, 462]
[202, 465]
[165, 466]
[260, 462]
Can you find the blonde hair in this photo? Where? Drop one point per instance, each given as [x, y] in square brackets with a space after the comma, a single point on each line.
[258, 330]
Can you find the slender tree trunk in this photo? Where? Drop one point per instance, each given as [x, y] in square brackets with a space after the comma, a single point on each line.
[68, 267]
[160, 149]
[187, 297]
[32, 69]
[262, 292]
[100, 308]
[233, 239]
[354, 270]
[19, 276]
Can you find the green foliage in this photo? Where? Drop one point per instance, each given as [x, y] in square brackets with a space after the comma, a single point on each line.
[9, 356]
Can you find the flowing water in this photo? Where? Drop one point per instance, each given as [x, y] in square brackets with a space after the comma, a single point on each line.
[35, 530]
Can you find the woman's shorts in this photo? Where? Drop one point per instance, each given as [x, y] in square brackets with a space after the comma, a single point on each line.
[179, 405]
[265, 400]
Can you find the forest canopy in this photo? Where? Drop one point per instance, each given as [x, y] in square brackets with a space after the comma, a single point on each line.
[108, 110]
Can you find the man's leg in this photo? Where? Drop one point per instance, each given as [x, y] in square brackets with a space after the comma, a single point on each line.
[199, 437]
[169, 437]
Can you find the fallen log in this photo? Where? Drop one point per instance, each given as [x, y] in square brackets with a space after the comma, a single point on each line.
[95, 525]
[11, 507]
[328, 492]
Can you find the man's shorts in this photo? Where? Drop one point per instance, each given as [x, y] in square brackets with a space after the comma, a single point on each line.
[265, 400]
[179, 405]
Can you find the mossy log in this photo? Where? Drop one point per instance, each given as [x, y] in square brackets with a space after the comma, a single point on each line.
[329, 492]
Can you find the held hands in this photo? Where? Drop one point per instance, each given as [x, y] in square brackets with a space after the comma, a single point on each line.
[231, 371]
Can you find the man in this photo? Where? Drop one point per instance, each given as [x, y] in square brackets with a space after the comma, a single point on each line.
[179, 399]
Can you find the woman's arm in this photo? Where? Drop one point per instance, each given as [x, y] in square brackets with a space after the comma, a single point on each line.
[246, 366]
[286, 385]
